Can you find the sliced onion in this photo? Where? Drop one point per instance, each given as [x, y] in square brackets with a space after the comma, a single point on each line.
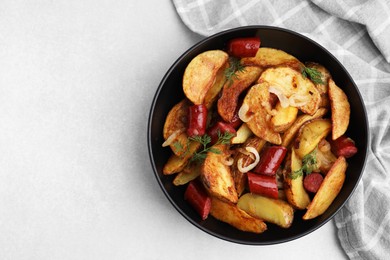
[284, 101]
[171, 138]
[243, 151]
[298, 100]
[252, 165]
[242, 113]
[229, 161]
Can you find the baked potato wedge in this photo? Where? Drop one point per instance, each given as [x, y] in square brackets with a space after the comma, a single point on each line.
[216, 175]
[296, 194]
[329, 189]
[242, 134]
[216, 88]
[340, 109]
[275, 211]
[189, 173]
[231, 214]
[300, 91]
[175, 127]
[200, 74]
[310, 135]
[257, 102]
[291, 132]
[228, 102]
[283, 117]
[176, 163]
[240, 178]
[270, 57]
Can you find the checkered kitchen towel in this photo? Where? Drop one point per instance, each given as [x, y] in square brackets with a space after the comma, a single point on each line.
[357, 32]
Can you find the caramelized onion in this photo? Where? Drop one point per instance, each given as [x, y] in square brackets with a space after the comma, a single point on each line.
[171, 138]
[284, 101]
[242, 113]
[252, 165]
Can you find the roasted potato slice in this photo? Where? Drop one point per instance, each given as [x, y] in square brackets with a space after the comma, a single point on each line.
[227, 103]
[283, 117]
[257, 100]
[216, 88]
[176, 163]
[240, 178]
[329, 189]
[189, 173]
[310, 135]
[231, 214]
[242, 134]
[340, 109]
[295, 192]
[275, 211]
[270, 57]
[200, 74]
[216, 175]
[291, 132]
[300, 91]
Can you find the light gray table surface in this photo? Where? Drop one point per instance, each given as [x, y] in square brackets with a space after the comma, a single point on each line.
[77, 80]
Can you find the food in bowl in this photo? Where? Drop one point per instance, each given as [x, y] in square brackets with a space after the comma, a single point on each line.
[258, 136]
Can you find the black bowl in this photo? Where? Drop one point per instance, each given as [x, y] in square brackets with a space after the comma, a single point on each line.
[170, 92]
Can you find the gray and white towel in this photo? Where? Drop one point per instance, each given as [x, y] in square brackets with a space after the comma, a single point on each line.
[357, 32]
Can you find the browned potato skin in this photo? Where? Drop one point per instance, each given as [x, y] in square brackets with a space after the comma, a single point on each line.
[340, 109]
[322, 88]
[216, 88]
[310, 134]
[176, 119]
[227, 103]
[240, 178]
[270, 57]
[176, 163]
[231, 214]
[275, 211]
[290, 133]
[329, 189]
[258, 101]
[200, 74]
[216, 175]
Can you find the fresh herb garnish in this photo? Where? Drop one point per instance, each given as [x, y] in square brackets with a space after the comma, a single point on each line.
[309, 163]
[234, 67]
[313, 74]
[205, 140]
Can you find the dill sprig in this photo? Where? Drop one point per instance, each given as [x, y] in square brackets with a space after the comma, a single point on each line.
[234, 67]
[205, 140]
[313, 74]
[309, 163]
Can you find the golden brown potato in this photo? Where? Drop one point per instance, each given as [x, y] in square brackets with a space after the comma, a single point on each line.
[295, 192]
[176, 163]
[240, 178]
[175, 127]
[242, 134]
[325, 75]
[215, 89]
[283, 118]
[227, 103]
[329, 189]
[231, 214]
[300, 91]
[216, 175]
[278, 212]
[310, 135]
[257, 101]
[340, 109]
[290, 133]
[270, 57]
[200, 74]
[189, 173]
